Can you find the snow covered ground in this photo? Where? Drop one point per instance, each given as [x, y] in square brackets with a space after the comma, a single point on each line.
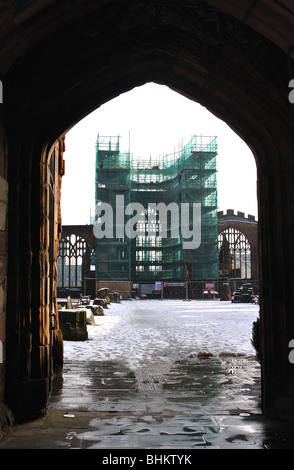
[139, 333]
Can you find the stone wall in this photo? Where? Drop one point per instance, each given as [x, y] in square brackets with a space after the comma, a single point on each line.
[3, 270]
[57, 340]
[33, 347]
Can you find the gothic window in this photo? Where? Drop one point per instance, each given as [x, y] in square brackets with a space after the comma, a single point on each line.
[234, 255]
[73, 261]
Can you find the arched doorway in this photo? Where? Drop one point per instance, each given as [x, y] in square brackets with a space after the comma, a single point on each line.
[203, 53]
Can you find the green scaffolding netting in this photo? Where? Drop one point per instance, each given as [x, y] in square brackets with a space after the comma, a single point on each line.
[188, 177]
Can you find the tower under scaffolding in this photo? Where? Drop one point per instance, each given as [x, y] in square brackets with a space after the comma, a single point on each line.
[126, 186]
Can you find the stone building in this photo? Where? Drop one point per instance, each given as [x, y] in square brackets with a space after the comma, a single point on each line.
[240, 235]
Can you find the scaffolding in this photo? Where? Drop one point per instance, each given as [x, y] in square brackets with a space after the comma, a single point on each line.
[188, 176]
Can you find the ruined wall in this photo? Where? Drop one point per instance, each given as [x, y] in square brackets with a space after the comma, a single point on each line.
[249, 227]
[122, 287]
[33, 347]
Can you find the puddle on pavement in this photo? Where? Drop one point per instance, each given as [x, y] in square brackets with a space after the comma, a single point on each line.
[150, 404]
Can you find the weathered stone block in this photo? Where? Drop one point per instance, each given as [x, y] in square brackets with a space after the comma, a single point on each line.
[102, 302]
[97, 310]
[73, 324]
[3, 269]
[90, 317]
[3, 213]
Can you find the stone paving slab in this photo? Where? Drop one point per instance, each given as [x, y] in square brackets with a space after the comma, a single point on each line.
[92, 430]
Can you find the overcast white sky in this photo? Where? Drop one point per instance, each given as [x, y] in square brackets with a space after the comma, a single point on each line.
[158, 120]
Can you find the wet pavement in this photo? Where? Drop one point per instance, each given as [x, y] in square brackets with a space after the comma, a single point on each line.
[194, 399]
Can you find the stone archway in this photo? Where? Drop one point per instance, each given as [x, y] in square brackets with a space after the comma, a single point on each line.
[58, 63]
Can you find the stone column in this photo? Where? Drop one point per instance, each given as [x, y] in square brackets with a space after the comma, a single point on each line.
[57, 340]
[27, 378]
